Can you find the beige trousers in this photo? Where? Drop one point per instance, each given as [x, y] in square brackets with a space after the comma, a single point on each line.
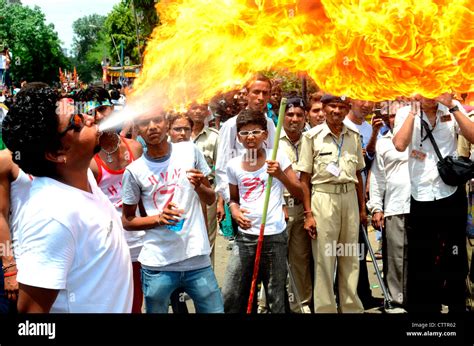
[300, 288]
[337, 219]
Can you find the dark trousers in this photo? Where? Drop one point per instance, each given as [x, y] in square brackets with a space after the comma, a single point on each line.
[437, 254]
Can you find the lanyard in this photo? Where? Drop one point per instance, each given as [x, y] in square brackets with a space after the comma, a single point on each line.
[339, 146]
[295, 147]
[422, 139]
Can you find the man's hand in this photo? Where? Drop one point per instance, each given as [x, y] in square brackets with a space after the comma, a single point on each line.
[310, 226]
[378, 220]
[11, 288]
[377, 123]
[238, 215]
[273, 169]
[220, 210]
[363, 217]
[446, 99]
[170, 215]
[285, 212]
[195, 177]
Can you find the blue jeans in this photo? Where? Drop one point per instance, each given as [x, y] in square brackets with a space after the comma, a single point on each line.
[272, 272]
[200, 284]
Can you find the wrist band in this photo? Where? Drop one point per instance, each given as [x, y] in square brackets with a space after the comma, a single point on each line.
[10, 274]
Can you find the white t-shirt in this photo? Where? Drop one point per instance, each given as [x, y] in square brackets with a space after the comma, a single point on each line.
[252, 194]
[19, 194]
[154, 182]
[72, 241]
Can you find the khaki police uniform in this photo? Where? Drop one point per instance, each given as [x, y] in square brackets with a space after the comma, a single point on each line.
[333, 163]
[300, 289]
[206, 141]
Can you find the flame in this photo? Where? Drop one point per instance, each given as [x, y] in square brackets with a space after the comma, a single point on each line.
[368, 49]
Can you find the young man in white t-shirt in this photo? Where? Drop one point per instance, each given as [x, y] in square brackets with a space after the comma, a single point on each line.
[248, 176]
[176, 249]
[71, 252]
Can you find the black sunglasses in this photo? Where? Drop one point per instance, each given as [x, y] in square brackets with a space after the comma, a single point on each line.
[76, 123]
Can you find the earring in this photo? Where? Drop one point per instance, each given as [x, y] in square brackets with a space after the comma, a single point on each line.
[64, 160]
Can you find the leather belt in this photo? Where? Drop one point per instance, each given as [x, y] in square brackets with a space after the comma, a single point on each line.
[334, 188]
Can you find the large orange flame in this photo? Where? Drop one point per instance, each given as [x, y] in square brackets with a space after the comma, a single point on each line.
[367, 49]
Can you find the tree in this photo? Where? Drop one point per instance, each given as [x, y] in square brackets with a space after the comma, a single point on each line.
[120, 25]
[90, 46]
[131, 21]
[147, 18]
[35, 46]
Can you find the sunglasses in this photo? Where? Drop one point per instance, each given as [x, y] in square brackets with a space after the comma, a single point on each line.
[76, 123]
[248, 133]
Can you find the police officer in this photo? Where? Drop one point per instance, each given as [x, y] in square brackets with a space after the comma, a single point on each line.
[300, 289]
[331, 161]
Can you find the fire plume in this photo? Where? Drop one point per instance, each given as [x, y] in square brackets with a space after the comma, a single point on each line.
[367, 49]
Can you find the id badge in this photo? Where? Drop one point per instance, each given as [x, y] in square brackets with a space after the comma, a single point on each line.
[418, 154]
[445, 118]
[333, 169]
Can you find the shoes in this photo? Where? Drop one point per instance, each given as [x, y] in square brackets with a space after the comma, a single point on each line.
[372, 302]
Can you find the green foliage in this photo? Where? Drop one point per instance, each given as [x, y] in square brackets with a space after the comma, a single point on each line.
[290, 82]
[131, 21]
[147, 17]
[89, 46]
[120, 27]
[35, 46]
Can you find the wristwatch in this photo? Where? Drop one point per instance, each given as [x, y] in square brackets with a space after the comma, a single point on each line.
[454, 109]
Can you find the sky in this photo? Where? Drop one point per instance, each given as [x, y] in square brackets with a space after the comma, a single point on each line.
[62, 13]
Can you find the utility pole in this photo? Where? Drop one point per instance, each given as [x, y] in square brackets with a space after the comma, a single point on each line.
[121, 60]
[137, 31]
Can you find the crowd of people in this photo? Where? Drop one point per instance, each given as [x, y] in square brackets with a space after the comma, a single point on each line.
[126, 220]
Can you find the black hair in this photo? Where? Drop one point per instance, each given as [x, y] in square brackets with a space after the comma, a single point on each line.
[172, 117]
[93, 93]
[30, 129]
[114, 94]
[258, 77]
[251, 117]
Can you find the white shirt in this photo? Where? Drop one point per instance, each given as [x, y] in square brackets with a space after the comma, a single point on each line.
[230, 147]
[252, 187]
[72, 241]
[19, 194]
[389, 179]
[155, 183]
[426, 184]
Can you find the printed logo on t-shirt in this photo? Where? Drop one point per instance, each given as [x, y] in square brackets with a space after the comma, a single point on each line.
[165, 190]
[166, 182]
[255, 188]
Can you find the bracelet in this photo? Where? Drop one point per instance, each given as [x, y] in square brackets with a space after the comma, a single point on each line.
[10, 274]
[308, 212]
[232, 203]
[8, 266]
